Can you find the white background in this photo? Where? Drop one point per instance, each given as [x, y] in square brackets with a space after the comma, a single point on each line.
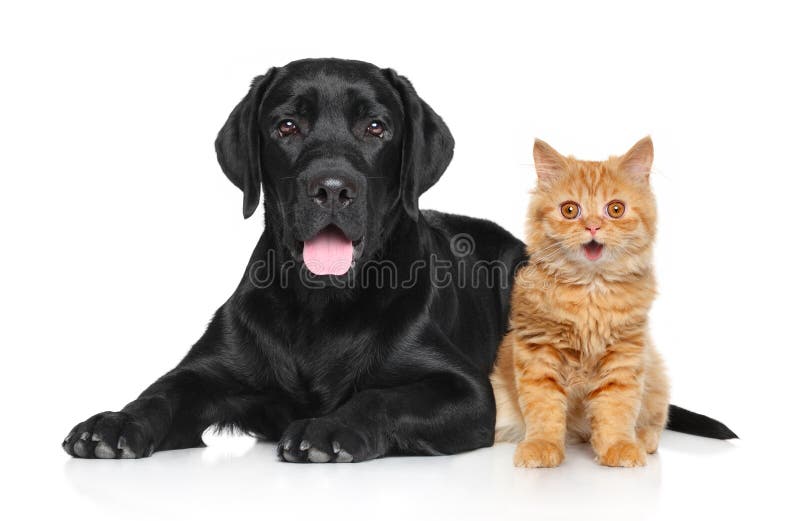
[121, 236]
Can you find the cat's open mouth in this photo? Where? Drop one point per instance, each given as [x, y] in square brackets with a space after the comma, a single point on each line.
[593, 250]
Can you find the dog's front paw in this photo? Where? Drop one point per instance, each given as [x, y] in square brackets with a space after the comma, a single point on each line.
[109, 435]
[323, 440]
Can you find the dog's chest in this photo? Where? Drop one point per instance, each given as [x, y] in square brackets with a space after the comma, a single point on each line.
[323, 368]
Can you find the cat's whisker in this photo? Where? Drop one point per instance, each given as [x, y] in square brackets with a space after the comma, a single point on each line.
[547, 252]
[545, 258]
[551, 246]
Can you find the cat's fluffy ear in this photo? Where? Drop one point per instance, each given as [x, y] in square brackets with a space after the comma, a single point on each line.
[639, 159]
[549, 163]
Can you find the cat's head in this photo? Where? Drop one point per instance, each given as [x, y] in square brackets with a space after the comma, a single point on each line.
[592, 216]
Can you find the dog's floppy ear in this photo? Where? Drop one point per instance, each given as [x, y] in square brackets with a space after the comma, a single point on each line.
[427, 144]
[238, 144]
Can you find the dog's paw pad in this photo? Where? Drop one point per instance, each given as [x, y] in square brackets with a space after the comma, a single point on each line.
[81, 449]
[288, 456]
[103, 450]
[127, 452]
[318, 456]
[344, 457]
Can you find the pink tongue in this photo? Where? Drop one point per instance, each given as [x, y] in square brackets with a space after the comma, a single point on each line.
[593, 250]
[328, 253]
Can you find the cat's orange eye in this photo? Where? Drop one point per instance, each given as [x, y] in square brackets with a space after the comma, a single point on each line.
[615, 209]
[570, 209]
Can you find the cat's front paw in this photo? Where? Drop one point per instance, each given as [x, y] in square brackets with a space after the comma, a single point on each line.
[538, 453]
[623, 454]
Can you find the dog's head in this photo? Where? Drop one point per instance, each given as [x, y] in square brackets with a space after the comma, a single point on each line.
[340, 148]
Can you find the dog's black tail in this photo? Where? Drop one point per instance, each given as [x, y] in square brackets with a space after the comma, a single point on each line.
[689, 422]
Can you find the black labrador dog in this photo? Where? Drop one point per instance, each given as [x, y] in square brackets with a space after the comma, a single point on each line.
[362, 327]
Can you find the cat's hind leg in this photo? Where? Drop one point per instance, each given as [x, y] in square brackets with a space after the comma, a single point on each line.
[655, 403]
[509, 424]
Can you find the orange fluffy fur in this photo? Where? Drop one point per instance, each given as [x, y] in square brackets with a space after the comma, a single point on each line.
[578, 364]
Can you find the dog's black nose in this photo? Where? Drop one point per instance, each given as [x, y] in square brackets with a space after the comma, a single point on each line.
[332, 191]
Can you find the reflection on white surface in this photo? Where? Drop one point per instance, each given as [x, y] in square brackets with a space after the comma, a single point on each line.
[236, 476]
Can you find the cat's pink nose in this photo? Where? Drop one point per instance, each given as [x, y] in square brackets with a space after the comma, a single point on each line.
[593, 229]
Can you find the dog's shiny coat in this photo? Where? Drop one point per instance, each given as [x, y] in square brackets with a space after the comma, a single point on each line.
[337, 373]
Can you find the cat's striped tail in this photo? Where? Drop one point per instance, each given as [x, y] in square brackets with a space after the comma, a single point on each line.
[689, 422]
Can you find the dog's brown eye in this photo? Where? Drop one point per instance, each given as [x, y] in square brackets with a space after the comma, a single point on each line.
[287, 127]
[375, 128]
[570, 209]
[615, 209]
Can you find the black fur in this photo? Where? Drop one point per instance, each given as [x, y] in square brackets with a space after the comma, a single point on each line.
[348, 368]
[689, 422]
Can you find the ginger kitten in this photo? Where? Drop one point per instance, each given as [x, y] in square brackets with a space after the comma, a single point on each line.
[578, 361]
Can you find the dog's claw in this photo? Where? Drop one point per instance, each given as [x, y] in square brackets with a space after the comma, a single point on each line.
[344, 457]
[127, 453]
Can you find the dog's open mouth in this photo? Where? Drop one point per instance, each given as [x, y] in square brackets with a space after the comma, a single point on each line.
[330, 252]
[593, 250]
